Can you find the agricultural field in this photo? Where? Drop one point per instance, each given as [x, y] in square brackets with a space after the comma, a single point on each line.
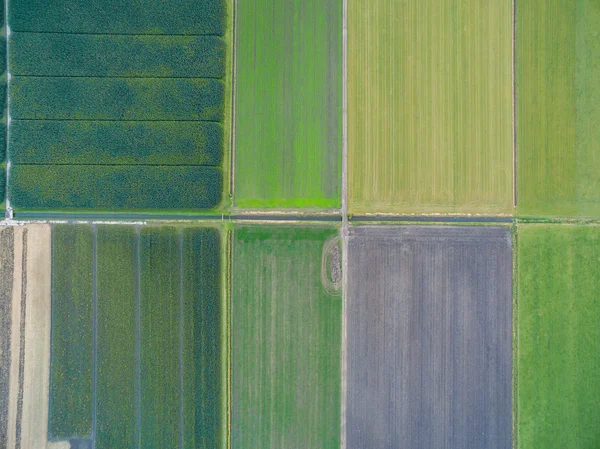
[429, 337]
[430, 107]
[138, 337]
[131, 101]
[288, 108]
[558, 93]
[558, 336]
[286, 338]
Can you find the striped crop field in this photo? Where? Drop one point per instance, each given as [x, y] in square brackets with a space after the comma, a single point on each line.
[286, 338]
[288, 109]
[119, 105]
[558, 372]
[558, 117]
[139, 337]
[430, 106]
[429, 357]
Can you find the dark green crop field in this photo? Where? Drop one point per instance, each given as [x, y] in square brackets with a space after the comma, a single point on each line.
[139, 337]
[72, 332]
[43, 54]
[187, 17]
[286, 340]
[558, 372]
[558, 118]
[116, 98]
[115, 143]
[114, 188]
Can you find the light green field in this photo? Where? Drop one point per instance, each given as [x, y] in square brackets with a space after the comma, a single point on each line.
[558, 335]
[288, 103]
[430, 106]
[558, 113]
[286, 341]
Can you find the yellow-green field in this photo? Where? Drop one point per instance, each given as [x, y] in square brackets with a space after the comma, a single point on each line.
[430, 106]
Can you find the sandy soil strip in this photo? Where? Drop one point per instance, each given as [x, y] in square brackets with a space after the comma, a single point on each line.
[34, 424]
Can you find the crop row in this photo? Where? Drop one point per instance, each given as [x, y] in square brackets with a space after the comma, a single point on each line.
[115, 143]
[110, 187]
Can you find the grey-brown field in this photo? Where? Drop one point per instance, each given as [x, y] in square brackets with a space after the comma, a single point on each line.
[429, 337]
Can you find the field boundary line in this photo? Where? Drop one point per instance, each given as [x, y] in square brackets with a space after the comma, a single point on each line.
[138, 344]
[7, 209]
[94, 331]
[180, 232]
[232, 136]
[514, 99]
[19, 425]
[515, 335]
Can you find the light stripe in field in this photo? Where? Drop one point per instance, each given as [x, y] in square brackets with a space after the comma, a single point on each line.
[94, 330]
[138, 393]
[22, 340]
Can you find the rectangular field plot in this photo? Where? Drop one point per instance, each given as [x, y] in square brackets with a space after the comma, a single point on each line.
[430, 106]
[286, 338]
[138, 338]
[429, 352]
[288, 107]
[105, 94]
[558, 371]
[558, 112]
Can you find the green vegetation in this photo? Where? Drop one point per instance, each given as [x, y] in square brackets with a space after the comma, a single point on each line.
[126, 56]
[430, 106]
[286, 341]
[558, 92]
[104, 187]
[116, 298]
[2, 183]
[72, 335]
[288, 103]
[558, 335]
[114, 143]
[203, 386]
[118, 16]
[160, 337]
[116, 98]
[2, 141]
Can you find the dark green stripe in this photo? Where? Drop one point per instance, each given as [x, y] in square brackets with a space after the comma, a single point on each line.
[71, 345]
[81, 142]
[127, 56]
[116, 353]
[116, 99]
[101, 187]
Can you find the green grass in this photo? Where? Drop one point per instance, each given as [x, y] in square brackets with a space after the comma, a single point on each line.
[558, 371]
[203, 385]
[288, 103]
[114, 188]
[116, 380]
[116, 98]
[72, 335]
[286, 341]
[430, 106]
[118, 16]
[108, 55]
[558, 92]
[159, 315]
[114, 143]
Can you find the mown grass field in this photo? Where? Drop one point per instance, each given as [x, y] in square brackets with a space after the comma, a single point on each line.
[72, 307]
[288, 109]
[558, 334]
[558, 118]
[430, 106]
[160, 357]
[286, 341]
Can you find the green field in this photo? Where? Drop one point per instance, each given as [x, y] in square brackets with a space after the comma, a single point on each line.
[430, 106]
[115, 143]
[116, 381]
[558, 93]
[46, 54]
[160, 339]
[72, 332]
[288, 104]
[286, 341]
[114, 188]
[119, 17]
[74, 98]
[558, 337]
